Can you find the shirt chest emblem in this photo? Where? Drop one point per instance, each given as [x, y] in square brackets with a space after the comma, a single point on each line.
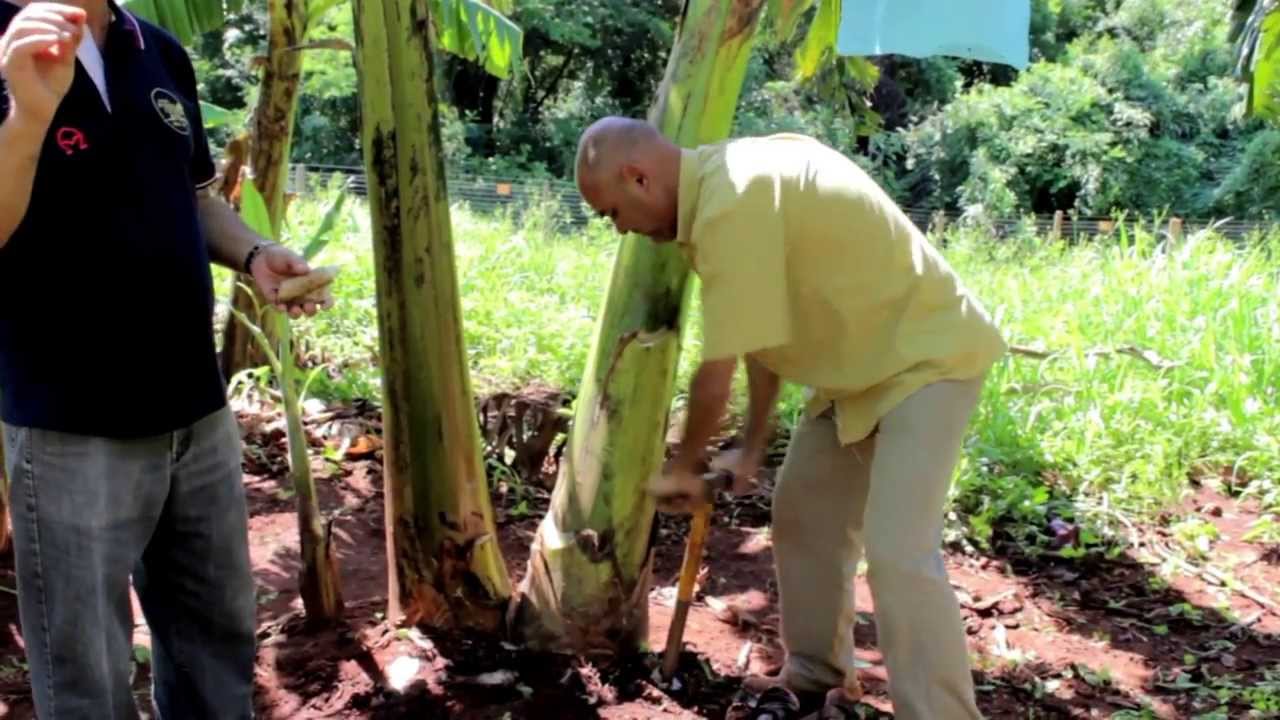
[70, 140]
[170, 110]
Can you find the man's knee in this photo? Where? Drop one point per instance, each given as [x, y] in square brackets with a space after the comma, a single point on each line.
[786, 515]
[903, 553]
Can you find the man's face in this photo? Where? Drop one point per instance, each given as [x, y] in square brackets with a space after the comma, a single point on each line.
[634, 202]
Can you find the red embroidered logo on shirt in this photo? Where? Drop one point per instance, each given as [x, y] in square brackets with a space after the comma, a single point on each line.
[71, 140]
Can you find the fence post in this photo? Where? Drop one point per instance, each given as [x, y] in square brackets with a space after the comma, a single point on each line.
[1175, 229]
[300, 179]
[1058, 217]
[939, 223]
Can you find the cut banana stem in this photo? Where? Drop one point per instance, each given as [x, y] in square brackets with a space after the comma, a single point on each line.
[323, 298]
[318, 279]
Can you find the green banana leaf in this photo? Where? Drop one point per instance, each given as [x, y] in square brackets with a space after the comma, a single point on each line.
[1256, 32]
[475, 31]
[185, 19]
[326, 233]
[217, 116]
[819, 45]
[471, 29]
[253, 209]
[784, 17]
[818, 50]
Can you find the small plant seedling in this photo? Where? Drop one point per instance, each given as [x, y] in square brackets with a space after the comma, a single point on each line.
[1264, 530]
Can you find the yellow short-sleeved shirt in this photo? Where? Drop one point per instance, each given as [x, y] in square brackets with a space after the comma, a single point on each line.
[806, 264]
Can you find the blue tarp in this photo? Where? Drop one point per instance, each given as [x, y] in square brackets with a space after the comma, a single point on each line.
[992, 30]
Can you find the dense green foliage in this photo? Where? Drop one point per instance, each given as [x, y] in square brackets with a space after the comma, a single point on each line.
[1139, 117]
[1129, 105]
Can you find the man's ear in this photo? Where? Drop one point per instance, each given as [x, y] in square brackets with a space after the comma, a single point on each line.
[633, 174]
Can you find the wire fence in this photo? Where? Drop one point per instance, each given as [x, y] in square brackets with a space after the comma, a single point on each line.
[480, 193]
[486, 194]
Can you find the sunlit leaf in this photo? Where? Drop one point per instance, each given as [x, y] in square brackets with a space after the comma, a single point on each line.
[784, 16]
[325, 233]
[506, 7]
[316, 10]
[862, 70]
[217, 116]
[1256, 31]
[253, 209]
[475, 31]
[819, 44]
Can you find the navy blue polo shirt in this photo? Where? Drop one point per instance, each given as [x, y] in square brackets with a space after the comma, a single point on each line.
[106, 292]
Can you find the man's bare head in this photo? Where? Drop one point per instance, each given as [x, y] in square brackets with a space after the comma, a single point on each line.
[629, 173]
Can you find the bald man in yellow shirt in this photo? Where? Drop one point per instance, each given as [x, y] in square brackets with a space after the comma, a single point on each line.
[811, 274]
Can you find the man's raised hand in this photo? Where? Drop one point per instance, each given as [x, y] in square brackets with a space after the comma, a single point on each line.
[38, 59]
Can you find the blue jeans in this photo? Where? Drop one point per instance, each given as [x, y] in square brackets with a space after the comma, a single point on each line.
[170, 509]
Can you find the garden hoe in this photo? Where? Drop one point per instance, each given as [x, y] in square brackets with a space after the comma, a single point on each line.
[776, 703]
[712, 482]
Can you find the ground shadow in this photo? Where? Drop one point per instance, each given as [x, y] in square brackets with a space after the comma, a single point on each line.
[1172, 637]
[302, 663]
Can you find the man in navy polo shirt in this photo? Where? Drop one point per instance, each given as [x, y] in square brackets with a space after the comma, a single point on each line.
[122, 454]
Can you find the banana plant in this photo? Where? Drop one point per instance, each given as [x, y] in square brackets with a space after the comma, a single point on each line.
[444, 565]
[319, 583]
[1255, 31]
[586, 585]
[590, 567]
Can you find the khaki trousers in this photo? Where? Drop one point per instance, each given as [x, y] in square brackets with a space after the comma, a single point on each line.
[883, 495]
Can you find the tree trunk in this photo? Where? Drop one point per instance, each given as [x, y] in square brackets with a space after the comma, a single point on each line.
[587, 584]
[272, 137]
[444, 564]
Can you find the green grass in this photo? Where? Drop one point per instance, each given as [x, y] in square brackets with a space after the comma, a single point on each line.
[1114, 431]
[1075, 435]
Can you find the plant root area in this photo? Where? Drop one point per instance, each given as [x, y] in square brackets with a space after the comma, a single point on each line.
[1135, 633]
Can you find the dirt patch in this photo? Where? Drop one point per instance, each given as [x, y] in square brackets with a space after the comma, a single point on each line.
[1049, 637]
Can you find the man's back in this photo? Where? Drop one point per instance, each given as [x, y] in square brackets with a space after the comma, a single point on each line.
[809, 265]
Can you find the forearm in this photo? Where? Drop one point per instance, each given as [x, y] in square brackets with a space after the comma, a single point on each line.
[763, 385]
[228, 238]
[709, 393]
[20, 142]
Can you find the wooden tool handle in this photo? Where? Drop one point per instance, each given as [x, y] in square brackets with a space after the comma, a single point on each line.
[684, 594]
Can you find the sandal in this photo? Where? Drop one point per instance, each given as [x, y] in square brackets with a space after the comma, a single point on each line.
[775, 703]
[764, 697]
[839, 704]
